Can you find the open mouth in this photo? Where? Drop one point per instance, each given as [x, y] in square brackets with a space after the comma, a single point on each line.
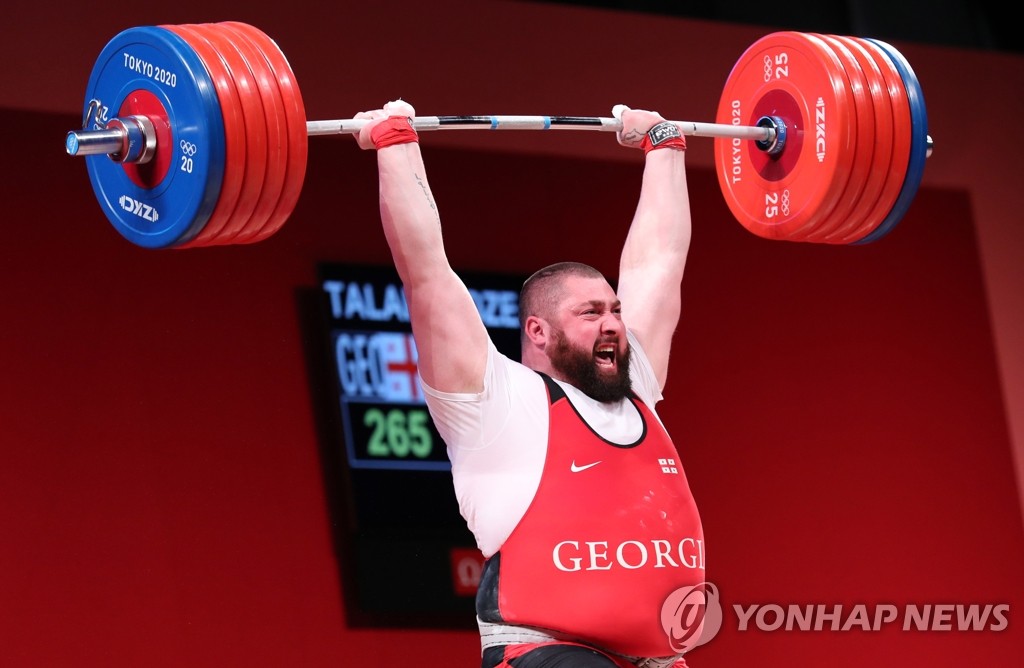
[604, 355]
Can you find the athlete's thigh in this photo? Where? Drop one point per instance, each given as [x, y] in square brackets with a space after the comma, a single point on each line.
[563, 656]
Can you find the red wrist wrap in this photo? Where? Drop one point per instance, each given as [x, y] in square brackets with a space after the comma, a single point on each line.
[393, 130]
[663, 135]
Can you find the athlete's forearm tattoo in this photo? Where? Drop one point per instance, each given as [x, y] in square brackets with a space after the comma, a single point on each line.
[426, 193]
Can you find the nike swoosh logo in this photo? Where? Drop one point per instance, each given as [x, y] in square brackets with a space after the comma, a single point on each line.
[577, 469]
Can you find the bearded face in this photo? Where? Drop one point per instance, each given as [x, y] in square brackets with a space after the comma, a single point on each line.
[601, 372]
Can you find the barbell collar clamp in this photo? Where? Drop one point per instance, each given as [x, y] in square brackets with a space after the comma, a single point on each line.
[131, 139]
[777, 143]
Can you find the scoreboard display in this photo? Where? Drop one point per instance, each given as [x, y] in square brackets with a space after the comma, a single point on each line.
[386, 422]
[406, 555]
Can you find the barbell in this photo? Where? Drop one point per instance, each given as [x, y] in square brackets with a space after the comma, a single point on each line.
[195, 135]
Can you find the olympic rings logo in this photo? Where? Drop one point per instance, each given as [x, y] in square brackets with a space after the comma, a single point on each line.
[784, 202]
[767, 69]
[187, 147]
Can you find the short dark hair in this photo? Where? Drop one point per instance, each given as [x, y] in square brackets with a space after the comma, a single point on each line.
[541, 290]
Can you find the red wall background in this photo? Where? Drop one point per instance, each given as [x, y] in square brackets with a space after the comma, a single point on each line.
[841, 412]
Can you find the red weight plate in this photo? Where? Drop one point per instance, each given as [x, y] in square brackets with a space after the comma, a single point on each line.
[255, 165]
[882, 154]
[257, 140]
[234, 136]
[277, 138]
[863, 125]
[791, 76]
[295, 113]
[902, 137]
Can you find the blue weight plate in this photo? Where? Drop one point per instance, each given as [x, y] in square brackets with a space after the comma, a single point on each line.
[918, 144]
[169, 207]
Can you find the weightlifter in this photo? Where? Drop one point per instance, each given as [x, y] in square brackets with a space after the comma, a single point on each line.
[562, 469]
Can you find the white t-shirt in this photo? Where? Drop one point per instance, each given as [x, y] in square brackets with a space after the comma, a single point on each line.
[497, 439]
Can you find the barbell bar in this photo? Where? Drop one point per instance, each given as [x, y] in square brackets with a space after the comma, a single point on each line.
[115, 141]
[195, 135]
[766, 133]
